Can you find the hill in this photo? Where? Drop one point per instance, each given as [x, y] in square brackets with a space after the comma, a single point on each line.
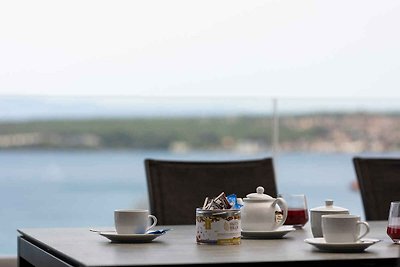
[327, 132]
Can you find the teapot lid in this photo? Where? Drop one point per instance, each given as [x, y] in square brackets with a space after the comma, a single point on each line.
[329, 207]
[259, 195]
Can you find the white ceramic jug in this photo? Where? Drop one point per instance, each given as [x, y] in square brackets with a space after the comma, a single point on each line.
[259, 212]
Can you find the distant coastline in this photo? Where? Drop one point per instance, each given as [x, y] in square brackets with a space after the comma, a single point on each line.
[314, 132]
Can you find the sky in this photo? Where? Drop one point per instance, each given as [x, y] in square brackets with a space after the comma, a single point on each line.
[288, 48]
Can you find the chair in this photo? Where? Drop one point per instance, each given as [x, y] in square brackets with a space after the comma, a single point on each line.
[379, 183]
[177, 188]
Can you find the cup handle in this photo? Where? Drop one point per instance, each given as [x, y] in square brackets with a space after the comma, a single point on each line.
[154, 222]
[366, 229]
[284, 207]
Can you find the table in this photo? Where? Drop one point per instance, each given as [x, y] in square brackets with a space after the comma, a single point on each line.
[80, 247]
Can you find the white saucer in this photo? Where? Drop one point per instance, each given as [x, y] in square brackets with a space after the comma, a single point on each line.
[129, 238]
[278, 233]
[360, 246]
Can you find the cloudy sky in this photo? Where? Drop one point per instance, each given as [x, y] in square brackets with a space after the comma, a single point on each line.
[341, 48]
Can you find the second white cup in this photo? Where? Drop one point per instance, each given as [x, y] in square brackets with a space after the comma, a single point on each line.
[136, 221]
[343, 228]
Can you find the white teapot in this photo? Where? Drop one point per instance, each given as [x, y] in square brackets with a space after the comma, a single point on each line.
[258, 211]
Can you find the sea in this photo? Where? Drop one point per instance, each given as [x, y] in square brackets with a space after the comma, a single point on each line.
[79, 188]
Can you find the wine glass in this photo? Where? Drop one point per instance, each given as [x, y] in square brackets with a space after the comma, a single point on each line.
[393, 227]
[297, 210]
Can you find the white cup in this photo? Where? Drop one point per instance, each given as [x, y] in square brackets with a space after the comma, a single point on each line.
[133, 221]
[343, 228]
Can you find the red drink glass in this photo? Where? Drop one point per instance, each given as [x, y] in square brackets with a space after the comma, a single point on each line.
[297, 210]
[297, 217]
[393, 228]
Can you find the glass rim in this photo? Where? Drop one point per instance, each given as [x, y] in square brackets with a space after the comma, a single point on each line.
[292, 195]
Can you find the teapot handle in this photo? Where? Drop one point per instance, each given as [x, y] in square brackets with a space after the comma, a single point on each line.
[284, 207]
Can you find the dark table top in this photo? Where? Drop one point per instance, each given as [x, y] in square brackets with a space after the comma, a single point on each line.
[179, 246]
